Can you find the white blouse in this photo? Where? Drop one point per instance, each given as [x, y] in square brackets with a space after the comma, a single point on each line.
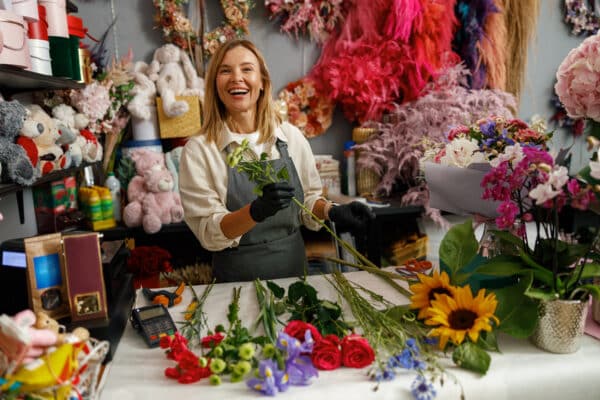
[203, 182]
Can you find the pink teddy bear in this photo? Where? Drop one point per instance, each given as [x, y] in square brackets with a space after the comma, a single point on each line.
[152, 201]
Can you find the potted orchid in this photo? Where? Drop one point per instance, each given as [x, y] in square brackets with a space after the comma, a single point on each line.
[553, 268]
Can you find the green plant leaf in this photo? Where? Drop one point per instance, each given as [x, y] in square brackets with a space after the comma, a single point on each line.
[488, 341]
[593, 289]
[277, 290]
[502, 265]
[541, 294]
[458, 247]
[296, 291]
[471, 357]
[591, 271]
[516, 311]
[508, 238]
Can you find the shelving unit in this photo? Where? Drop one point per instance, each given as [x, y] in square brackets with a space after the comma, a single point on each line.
[14, 80]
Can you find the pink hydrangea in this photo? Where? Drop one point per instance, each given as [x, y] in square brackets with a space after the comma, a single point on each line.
[578, 80]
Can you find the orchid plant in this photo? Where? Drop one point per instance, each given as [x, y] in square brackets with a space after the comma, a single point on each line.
[533, 190]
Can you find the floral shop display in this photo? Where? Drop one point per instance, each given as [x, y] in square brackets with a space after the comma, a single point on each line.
[456, 168]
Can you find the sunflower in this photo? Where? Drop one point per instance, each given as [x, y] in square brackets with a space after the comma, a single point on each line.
[461, 315]
[426, 291]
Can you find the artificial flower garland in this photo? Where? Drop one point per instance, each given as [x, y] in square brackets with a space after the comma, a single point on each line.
[584, 21]
[307, 109]
[177, 28]
[319, 18]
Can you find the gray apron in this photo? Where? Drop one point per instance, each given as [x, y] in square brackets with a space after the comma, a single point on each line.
[274, 248]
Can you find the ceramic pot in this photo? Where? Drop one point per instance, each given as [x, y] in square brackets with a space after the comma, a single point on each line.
[560, 325]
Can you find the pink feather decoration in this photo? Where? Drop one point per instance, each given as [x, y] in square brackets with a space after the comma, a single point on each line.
[399, 23]
[394, 154]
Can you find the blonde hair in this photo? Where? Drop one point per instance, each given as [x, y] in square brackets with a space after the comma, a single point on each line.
[215, 113]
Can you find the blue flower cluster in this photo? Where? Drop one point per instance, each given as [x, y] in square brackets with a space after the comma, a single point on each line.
[492, 138]
[408, 358]
[297, 368]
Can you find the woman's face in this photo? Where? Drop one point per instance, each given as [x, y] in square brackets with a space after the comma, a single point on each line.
[239, 81]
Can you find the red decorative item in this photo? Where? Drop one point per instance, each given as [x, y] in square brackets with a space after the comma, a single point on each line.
[39, 29]
[211, 341]
[146, 263]
[188, 369]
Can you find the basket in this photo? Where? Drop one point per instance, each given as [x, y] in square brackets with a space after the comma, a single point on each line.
[184, 125]
[366, 179]
[90, 367]
[412, 247]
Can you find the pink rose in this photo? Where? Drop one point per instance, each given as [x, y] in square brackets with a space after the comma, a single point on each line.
[356, 352]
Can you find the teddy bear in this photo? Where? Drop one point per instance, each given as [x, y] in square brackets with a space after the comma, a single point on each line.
[16, 165]
[51, 156]
[152, 201]
[69, 119]
[45, 322]
[143, 92]
[174, 75]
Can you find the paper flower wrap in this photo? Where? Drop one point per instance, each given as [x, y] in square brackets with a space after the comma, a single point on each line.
[458, 190]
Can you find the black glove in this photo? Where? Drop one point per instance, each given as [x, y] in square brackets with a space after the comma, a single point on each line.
[353, 216]
[275, 197]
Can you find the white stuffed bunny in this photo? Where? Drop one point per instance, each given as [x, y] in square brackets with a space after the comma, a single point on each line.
[174, 75]
[144, 92]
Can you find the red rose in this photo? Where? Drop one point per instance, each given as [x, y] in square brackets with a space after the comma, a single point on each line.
[356, 352]
[298, 328]
[326, 354]
[188, 360]
[165, 342]
[172, 372]
[212, 340]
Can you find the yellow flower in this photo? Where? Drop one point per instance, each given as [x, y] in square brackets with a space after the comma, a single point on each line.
[427, 290]
[461, 315]
[189, 312]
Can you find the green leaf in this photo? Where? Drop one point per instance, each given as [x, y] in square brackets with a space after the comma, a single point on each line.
[488, 341]
[501, 266]
[509, 238]
[516, 311]
[591, 271]
[277, 290]
[471, 357]
[458, 247]
[397, 313]
[541, 294]
[296, 291]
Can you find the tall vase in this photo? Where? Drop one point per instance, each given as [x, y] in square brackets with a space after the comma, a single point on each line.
[560, 325]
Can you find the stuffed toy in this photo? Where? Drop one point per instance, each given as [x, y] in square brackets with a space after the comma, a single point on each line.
[67, 143]
[44, 322]
[16, 165]
[144, 92]
[172, 161]
[41, 338]
[75, 121]
[51, 156]
[174, 75]
[152, 201]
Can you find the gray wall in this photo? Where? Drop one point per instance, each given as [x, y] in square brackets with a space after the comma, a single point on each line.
[290, 59]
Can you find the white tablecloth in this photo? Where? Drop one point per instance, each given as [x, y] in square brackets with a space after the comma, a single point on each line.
[521, 371]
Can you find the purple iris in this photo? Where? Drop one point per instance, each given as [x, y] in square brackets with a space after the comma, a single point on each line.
[271, 379]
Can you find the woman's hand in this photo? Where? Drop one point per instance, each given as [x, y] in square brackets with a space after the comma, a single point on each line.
[352, 216]
[275, 197]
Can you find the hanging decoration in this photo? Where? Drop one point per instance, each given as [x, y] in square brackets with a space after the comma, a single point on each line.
[583, 20]
[520, 18]
[318, 18]
[471, 33]
[307, 109]
[236, 24]
[177, 28]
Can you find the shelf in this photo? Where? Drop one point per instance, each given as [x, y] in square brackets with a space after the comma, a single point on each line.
[8, 188]
[13, 79]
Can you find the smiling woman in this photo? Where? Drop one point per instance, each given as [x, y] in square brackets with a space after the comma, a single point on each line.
[252, 236]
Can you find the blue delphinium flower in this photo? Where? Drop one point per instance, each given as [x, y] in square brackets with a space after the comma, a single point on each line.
[421, 389]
